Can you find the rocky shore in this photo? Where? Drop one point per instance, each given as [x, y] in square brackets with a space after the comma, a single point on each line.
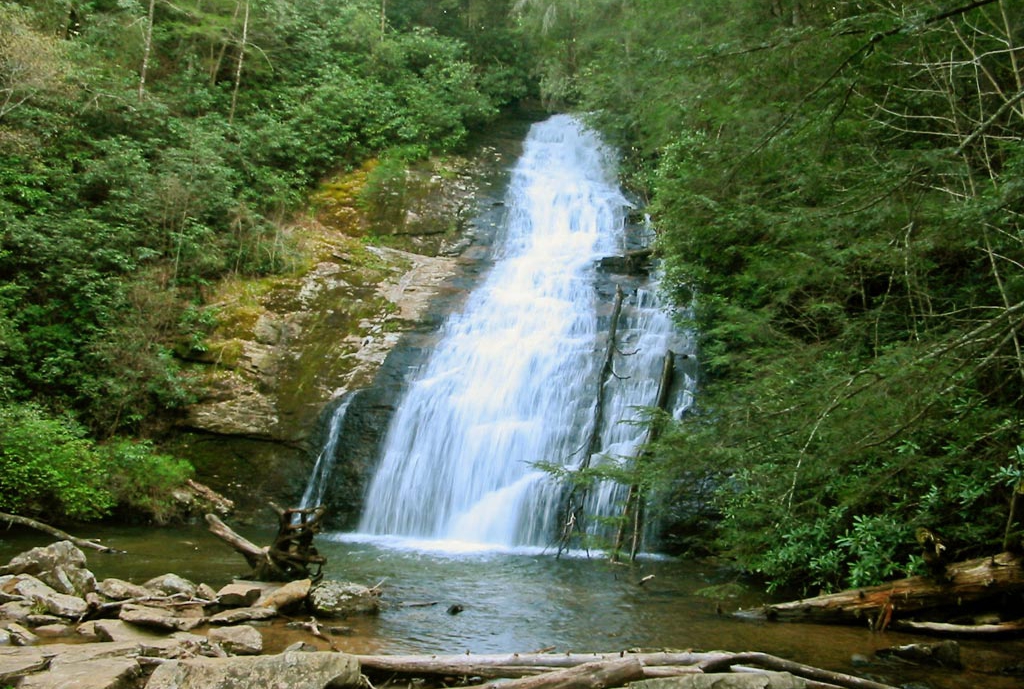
[61, 628]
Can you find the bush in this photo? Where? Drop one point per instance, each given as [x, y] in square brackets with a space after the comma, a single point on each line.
[49, 469]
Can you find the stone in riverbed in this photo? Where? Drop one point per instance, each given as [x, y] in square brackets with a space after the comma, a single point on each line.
[284, 671]
[238, 595]
[37, 592]
[239, 615]
[158, 618]
[342, 599]
[119, 589]
[171, 584]
[240, 640]
[60, 565]
[20, 636]
[114, 673]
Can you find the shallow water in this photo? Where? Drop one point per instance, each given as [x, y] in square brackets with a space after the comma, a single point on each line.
[522, 601]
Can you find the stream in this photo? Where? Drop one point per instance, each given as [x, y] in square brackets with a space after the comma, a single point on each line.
[522, 601]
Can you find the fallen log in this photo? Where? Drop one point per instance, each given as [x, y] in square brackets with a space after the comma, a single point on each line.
[994, 629]
[596, 675]
[292, 553]
[962, 583]
[516, 664]
[55, 532]
[770, 662]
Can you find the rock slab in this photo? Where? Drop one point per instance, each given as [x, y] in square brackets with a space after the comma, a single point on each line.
[284, 671]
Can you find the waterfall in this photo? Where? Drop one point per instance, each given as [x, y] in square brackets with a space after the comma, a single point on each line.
[512, 380]
[313, 496]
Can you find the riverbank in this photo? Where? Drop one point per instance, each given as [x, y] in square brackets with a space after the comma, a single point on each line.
[526, 601]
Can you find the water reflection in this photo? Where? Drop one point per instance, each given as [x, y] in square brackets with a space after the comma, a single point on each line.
[528, 601]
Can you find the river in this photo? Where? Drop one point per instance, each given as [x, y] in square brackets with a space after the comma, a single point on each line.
[520, 601]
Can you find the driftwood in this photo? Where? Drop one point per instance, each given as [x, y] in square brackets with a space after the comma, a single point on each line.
[991, 629]
[290, 557]
[55, 532]
[596, 675]
[601, 670]
[961, 583]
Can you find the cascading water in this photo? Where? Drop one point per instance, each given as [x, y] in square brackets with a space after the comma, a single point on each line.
[316, 487]
[513, 379]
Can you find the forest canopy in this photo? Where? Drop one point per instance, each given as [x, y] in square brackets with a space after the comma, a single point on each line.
[837, 190]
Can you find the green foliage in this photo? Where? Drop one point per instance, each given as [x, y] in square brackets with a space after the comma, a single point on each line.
[50, 468]
[142, 481]
[837, 192]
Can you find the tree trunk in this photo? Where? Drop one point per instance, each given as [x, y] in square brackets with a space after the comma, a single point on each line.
[596, 675]
[147, 47]
[241, 59]
[55, 532]
[963, 582]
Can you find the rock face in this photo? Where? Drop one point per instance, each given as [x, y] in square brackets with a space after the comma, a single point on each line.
[285, 671]
[286, 347]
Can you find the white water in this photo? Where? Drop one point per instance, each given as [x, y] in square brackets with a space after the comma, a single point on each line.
[513, 379]
[316, 487]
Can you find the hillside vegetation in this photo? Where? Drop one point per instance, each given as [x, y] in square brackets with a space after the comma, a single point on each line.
[150, 149]
[838, 190]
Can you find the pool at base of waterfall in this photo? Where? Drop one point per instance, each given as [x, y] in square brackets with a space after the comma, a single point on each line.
[527, 600]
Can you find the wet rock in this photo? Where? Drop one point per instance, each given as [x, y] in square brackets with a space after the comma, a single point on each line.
[301, 647]
[943, 653]
[342, 599]
[33, 620]
[119, 589]
[15, 662]
[238, 595]
[16, 610]
[171, 584]
[5, 637]
[60, 565]
[240, 640]
[121, 631]
[158, 618]
[53, 631]
[21, 636]
[39, 593]
[240, 615]
[206, 592]
[287, 596]
[118, 673]
[303, 671]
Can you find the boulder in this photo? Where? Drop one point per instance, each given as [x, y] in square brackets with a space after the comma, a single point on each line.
[20, 636]
[16, 610]
[342, 599]
[119, 630]
[239, 615]
[116, 673]
[15, 662]
[287, 596]
[171, 584]
[284, 671]
[119, 589]
[206, 592]
[158, 618]
[238, 594]
[39, 593]
[61, 565]
[53, 631]
[240, 640]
